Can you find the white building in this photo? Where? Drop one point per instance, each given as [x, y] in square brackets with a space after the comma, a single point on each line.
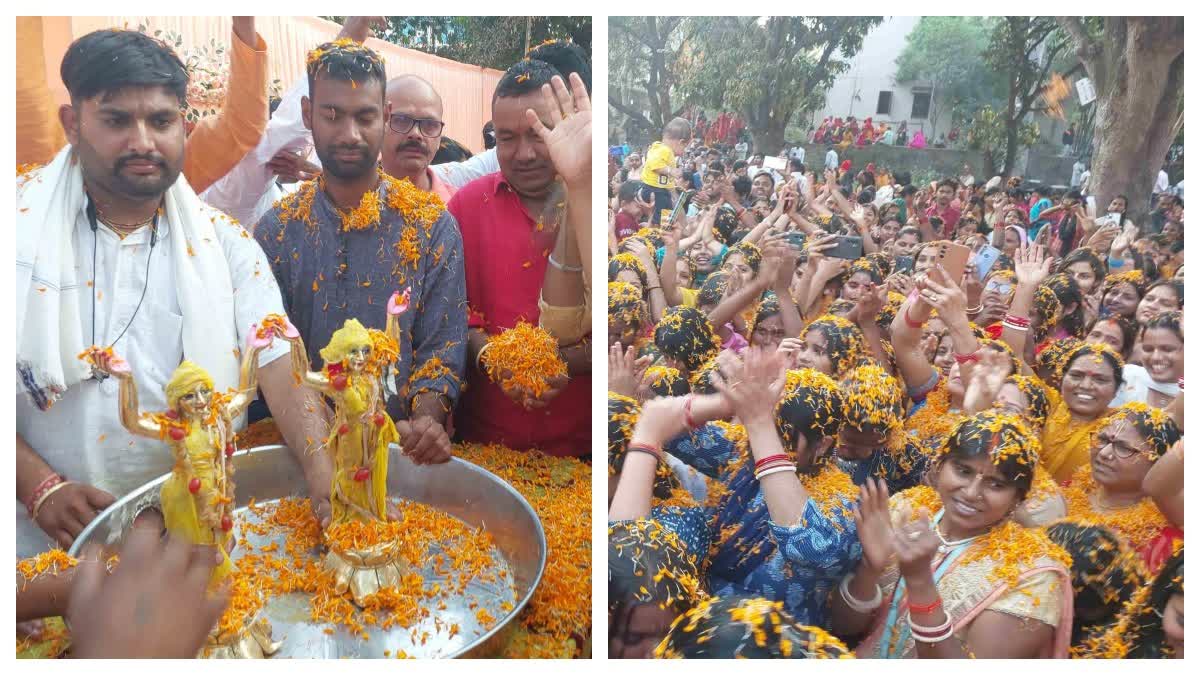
[868, 88]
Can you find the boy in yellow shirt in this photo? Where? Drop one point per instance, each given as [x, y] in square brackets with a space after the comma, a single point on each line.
[660, 160]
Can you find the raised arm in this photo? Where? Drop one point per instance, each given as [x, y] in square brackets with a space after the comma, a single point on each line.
[1032, 267]
[131, 416]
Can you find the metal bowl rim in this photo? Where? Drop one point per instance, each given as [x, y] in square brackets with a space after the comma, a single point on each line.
[77, 545]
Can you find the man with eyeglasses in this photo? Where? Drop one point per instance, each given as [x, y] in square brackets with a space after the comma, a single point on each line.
[339, 255]
[413, 134]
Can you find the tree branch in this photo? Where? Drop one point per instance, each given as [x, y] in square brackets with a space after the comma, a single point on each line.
[1085, 47]
[630, 112]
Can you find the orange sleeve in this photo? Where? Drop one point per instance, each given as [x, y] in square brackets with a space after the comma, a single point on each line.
[218, 143]
[39, 134]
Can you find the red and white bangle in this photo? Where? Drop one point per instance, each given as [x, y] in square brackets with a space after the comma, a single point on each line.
[1018, 323]
[654, 451]
[931, 634]
[40, 491]
[773, 469]
[770, 459]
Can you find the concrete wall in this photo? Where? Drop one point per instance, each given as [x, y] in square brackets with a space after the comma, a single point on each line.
[1048, 169]
[872, 70]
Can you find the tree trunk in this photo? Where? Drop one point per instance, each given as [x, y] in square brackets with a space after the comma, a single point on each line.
[1134, 123]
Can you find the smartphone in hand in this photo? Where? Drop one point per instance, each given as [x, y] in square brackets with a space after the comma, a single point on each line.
[848, 247]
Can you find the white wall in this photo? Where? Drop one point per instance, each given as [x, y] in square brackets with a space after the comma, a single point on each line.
[873, 69]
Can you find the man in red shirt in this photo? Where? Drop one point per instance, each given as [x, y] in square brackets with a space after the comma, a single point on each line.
[505, 247]
[942, 207]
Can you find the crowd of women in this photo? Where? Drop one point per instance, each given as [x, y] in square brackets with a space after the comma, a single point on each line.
[892, 421]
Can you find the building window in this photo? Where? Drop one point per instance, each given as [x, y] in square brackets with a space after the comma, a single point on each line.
[884, 107]
[920, 109]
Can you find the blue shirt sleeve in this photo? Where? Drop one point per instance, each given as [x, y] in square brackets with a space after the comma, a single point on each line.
[826, 543]
[706, 449]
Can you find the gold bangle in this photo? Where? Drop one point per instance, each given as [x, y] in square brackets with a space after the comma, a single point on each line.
[37, 506]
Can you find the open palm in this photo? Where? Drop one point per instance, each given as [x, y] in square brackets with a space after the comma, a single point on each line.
[570, 139]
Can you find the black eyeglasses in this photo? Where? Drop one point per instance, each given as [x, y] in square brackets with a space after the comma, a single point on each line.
[402, 124]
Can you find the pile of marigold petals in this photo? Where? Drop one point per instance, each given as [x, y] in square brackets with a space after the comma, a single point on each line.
[558, 618]
[524, 357]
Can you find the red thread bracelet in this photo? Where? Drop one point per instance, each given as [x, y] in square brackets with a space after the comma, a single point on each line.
[687, 412]
[646, 448]
[771, 458]
[964, 359]
[924, 609]
[49, 482]
[908, 320]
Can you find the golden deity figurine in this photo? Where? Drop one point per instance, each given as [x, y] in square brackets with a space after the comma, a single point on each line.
[197, 500]
[362, 555]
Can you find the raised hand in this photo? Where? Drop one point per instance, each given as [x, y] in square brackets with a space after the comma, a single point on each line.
[944, 295]
[108, 363]
[874, 523]
[289, 167]
[359, 28]
[915, 543]
[1032, 265]
[625, 370]
[569, 140]
[398, 303]
[752, 387]
[987, 377]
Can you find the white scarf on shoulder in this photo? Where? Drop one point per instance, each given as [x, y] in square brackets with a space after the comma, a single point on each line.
[49, 337]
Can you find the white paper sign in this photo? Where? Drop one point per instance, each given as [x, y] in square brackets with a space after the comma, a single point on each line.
[1087, 91]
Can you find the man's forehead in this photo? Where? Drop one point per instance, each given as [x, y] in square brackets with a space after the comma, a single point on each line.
[414, 94]
[131, 99]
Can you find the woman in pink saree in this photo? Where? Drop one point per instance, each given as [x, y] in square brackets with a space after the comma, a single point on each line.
[918, 141]
[946, 572]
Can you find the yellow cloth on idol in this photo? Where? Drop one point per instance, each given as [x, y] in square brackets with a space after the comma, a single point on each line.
[349, 454]
[181, 513]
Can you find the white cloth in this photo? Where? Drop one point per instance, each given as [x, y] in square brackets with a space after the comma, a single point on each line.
[459, 174]
[831, 160]
[1161, 183]
[1178, 189]
[1136, 385]
[1084, 181]
[798, 153]
[249, 190]
[197, 307]
[48, 287]
[1077, 173]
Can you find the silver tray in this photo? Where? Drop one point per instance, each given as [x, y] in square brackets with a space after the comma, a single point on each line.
[459, 488]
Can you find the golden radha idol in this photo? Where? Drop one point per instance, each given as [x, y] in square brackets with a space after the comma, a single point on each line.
[198, 498]
[356, 360]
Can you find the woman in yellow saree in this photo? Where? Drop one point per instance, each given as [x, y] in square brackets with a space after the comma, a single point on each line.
[1091, 376]
[966, 581]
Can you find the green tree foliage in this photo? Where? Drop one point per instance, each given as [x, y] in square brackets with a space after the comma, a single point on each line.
[488, 41]
[948, 52]
[988, 134]
[1024, 51]
[767, 68]
[642, 56]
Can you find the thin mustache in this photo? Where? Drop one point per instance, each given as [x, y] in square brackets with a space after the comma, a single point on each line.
[138, 158]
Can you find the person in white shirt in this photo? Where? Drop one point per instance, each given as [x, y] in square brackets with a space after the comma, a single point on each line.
[1077, 172]
[831, 158]
[798, 153]
[115, 250]
[743, 149]
[1162, 182]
